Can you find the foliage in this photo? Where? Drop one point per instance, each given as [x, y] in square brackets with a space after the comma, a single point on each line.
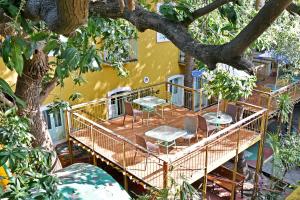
[86, 50]
[30, 167]
[178, 11]
[285, 106]
[5, 88]
[222, 25]
[230, 87]
[286, 151]
[182, 191]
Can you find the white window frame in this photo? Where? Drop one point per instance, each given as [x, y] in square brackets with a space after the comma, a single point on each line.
[112, 92]
[160, 37]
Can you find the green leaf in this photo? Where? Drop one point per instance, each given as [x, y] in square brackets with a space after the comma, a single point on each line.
[75, 96]
[7, 89]
[52, 44]
[17, 59]
[6, 49]
[39, 36]
[71, 57]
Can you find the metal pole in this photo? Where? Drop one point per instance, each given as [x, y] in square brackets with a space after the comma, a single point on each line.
[68, 129]
[165, 174]
[232, 196]
[124, 168]
[291, 120]
[264, 127]
[205, 175]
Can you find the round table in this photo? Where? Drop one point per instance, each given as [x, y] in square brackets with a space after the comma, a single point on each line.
[272, 86]
[222, 119]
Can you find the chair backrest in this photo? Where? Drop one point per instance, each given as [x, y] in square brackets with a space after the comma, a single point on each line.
[141, 141]
[202, 125]
[240, 113]
[128, 108]
[191, 124]
[232, 110]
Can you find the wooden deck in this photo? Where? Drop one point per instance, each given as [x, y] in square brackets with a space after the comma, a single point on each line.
[106, 140]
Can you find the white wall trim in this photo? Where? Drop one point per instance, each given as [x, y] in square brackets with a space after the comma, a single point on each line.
[176, 76]
[119, 89]
[112, 92]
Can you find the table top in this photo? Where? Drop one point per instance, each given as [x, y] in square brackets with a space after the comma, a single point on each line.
[166, 133]
[272, 86]
[149, 101]
[85, 181]
[213, 118]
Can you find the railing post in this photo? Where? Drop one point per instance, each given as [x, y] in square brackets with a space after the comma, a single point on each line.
[205, 175]
[200, 103]
[165, 174]
[93, 146]
[124, 168]
[193, 100]
[107, 107]
[263, 130]
[236, 159]
[291, 120]
[68, 130]
[259, 160]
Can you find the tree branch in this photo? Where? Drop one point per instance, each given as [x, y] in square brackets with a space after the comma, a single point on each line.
[48, 88]
[205, 10]
[293, 8]
[260, 23]
[61, 16]
[230, 53]
[6, 101]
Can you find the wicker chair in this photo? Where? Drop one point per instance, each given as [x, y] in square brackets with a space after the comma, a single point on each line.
[131, 112]
[236, 112]
[205, 127]
[191, 127]
[153, 148]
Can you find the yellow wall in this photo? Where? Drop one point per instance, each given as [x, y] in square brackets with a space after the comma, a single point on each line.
[158, 61]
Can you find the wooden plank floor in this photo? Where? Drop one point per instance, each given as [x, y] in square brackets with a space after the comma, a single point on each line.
[149, 169]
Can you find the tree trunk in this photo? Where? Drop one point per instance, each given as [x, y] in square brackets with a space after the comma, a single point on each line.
[28, 88]
[189, 66]
[188, 80]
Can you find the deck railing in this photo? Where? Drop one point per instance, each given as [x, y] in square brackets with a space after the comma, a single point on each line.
[113, 106]
[115, 149]
[269, 99]
[208, 154]
[141, 165]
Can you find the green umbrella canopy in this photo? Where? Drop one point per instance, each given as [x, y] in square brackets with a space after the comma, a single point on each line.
[85, 181]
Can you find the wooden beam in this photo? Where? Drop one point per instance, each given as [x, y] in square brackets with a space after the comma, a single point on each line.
[232, 196]
[291, 120]
[204, 187]
[124, 168]
[165, 174]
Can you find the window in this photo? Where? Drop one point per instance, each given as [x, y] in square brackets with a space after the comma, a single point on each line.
[181, 57]
[46, 114]
[160, 37]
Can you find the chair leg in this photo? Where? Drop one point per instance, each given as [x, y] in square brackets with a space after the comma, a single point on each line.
[124, 119]
[132, 122]
[135, 155]
[146, 163]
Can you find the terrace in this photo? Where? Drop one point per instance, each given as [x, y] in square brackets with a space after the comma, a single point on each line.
[107, 139]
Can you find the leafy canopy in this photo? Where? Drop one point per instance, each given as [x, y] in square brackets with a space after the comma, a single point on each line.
[229, 86]
[29, 167]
